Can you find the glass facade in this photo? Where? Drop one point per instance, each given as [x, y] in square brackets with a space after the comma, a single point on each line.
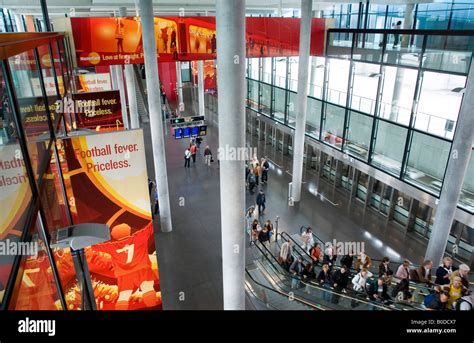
[398, 114]
[32, 202]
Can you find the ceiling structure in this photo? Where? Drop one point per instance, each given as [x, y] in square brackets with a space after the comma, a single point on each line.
[81, 8]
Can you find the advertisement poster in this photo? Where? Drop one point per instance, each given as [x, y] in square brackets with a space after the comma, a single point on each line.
[99, 82]
[107, 183]
[100, 111]
[210, 75]
[33, 111]
[106, 41]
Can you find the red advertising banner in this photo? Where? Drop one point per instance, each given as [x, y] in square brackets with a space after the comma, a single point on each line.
[106, 182]
[106, 41]
[210, 75]
[100, 111]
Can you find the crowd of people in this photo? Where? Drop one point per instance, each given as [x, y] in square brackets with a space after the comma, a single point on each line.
[255, 230]
[256, 173]
[443, 288]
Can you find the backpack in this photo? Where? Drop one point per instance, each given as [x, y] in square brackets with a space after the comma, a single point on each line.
[459, 302]
[429, 298]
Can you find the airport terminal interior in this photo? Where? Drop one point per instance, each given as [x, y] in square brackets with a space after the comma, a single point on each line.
[236, 155]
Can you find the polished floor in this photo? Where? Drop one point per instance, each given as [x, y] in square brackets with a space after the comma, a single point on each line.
[190, 256]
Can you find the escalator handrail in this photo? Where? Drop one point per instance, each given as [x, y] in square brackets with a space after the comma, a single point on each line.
[263, 286]
[355, 271]
[316, 286]
[280, 293]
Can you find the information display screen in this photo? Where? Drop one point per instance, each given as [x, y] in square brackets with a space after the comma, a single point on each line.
[178, 133]
[186, 132]
[195, 131]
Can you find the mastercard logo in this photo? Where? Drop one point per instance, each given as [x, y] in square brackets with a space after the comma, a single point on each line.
[46, 60]
[93, 58]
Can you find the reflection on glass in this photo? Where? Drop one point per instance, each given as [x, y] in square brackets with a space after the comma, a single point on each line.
[291, 108]
[279, 109]
[265, 98]
[36, 290]
[253, 94]
[397, 94]
[333, 125]
[358, 136]
[280, 71]
[427, 161]
[267, 69]
[448, 53]
[338, 79]
[439, 104]
[313, 117]
[316, 79]
[293, 77]
[253, 68]
[388, 147]
[365, 83]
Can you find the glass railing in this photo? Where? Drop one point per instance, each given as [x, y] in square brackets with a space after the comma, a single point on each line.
[309, 290]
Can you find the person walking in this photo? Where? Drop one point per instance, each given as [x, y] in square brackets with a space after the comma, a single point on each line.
[187, 158]
[265, 167]
[258, 172]
[396, 36]
[296, 269]
[193, 150]
[207, 155]
[307, 238]
[251, 180]
[444, 272]
[261, 202]
[286, 251]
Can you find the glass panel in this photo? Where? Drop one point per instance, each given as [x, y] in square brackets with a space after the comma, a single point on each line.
[267, 69]
[333, 125]
[433, 16]
[291, 108]
[313, 117]
[364, 91]
[401, 55]
[463, 16]
[338, 80]
[427, 161]
[265, 99]
[362, 185]
[293, 77]
[358, 135]
[253, 68]
[339, 44]
[316, 80]
[32, 108]
[36, 290]
[440, 101]
[466, 200]
[449, 53]
[15, 191]
[253, 94]
[57, 68]
[397, 94]
[280, 71]
[388, 147]
[279, 109]
[368, 47]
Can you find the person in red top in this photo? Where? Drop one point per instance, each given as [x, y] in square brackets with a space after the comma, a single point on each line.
[132, 264]
[193, 150]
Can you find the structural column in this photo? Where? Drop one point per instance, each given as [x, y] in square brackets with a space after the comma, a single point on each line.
[154, 104]
[458, 163]
[230, 20]
[301, 98]
[130, 82]
[180, 86]
[202, 107]
[407, 24]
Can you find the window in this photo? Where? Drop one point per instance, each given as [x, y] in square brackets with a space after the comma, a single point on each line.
[389, 145]
[333, 125]
[358, 135]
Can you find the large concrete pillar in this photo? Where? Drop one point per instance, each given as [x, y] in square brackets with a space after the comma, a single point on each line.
[458, 163]
[202, 106]
[180, 86]
[301, 99]
[130, 82]
[117, 73]
[230, 34]
[154, 105]
[407, 24]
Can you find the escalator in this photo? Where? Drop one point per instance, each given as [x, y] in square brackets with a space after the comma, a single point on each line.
[310, 292]
[263, 296]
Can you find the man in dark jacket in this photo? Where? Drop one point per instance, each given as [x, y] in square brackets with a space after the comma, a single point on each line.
[377, 291]
[444, 271]
[261, 202]
[348, 260]
[340, 279]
